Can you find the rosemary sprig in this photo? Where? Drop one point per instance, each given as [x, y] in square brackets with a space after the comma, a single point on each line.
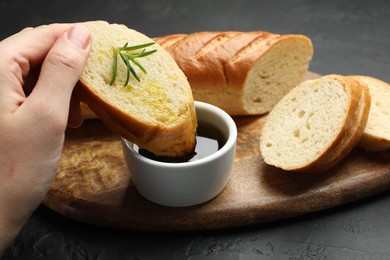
[128, 54]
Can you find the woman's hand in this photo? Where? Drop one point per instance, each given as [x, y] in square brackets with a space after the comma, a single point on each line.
[39, 68]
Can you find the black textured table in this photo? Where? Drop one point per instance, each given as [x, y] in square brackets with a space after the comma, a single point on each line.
[349, 37]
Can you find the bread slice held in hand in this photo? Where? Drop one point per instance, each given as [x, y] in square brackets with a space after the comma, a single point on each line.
[376, 136]
[157, 111]
[316, 124]
[244, 73]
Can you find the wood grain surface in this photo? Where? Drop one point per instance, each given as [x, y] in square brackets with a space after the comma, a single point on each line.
[92, 185]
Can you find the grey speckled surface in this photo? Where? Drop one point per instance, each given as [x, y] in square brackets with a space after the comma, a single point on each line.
[349, 37]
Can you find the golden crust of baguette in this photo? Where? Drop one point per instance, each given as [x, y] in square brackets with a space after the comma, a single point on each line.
[244, 73]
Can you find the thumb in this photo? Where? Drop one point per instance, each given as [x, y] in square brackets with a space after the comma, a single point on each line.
[60, 72]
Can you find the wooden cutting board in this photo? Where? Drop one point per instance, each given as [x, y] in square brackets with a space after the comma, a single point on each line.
[92, 185]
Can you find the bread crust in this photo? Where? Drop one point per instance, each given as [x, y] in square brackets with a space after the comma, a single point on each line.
[175, 139]
[217, 65]
[168, 40]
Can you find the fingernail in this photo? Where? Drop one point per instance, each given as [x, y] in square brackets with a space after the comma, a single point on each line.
[79, 36]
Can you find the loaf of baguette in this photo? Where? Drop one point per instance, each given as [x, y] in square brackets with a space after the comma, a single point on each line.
[157, 112]
[244, 73]
[376, 136]
[316, 125]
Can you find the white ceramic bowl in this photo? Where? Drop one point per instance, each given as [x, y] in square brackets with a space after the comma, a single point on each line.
[186, 183]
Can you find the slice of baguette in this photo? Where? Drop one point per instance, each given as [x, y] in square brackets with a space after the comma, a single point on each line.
[244, 73]
[315, 125]
[376, 135]
[157, 112]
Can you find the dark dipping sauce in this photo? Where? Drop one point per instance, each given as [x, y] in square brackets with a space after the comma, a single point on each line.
[209, 140]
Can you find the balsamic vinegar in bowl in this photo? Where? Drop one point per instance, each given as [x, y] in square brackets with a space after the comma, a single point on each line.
[209, 140]
[195, 179]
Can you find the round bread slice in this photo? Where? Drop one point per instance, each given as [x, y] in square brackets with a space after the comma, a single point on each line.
[316, 124]
[157, 112]
[376, 136]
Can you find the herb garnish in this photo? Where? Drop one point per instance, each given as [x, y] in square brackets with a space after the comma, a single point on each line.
[128, 54]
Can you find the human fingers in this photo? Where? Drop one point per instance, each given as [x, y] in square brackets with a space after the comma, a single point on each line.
[30, 46]
[75, 118]
[21, 53]
[59, 74]
[34, 43]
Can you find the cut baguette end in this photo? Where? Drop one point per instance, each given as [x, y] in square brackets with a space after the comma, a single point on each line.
[281, 67]
[157, 112]
[243, 73]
